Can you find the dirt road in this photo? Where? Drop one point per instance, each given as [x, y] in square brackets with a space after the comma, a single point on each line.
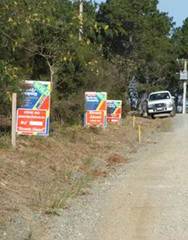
[147, 201]
[152, 201]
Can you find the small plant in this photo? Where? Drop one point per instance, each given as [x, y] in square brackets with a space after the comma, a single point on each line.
[59, 201]
[51, 198]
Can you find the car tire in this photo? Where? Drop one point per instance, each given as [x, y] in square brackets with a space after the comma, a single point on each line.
[173, 113]
[153, 116]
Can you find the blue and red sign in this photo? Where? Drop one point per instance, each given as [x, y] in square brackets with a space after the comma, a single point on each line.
[33, 115]
[114, 111]
[96, 109]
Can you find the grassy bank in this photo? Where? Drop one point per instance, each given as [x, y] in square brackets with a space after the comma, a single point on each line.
[44, 174]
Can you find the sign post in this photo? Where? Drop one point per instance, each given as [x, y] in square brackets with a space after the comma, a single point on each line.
[13, 128]
[184, 78]
[184, 96]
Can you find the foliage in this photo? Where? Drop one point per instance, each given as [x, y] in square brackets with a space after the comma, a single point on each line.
[180, 39]
[8, 83]
[121, 39]
[139, 35]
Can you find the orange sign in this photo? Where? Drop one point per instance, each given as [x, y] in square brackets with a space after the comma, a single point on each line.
[95, 118]
[29, 121]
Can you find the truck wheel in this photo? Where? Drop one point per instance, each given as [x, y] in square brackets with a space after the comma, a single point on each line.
[173, 113]
[152, 116]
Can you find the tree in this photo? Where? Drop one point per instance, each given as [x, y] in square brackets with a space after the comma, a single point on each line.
[122, 39]
[8, 83]
[180, 40]
[138, 40]
[41, 39]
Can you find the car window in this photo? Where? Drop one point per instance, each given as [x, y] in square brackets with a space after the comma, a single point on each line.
[159, 96]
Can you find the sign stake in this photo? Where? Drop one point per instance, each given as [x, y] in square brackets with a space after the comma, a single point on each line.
[134, 120]
[13, 129]
[139, 134]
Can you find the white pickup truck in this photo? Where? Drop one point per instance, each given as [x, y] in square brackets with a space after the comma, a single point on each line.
[161, 103]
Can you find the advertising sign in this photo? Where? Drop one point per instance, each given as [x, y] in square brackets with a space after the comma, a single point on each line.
[114, 111]
[33, 115]
[95, 101]
[95, 118]
[96, 109]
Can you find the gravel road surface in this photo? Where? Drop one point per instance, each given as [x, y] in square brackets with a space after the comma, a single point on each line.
[144, 200]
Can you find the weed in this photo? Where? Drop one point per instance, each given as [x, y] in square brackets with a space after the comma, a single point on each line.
[52, 197]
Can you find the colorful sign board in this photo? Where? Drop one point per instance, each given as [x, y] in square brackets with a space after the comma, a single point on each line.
[95, 101]
[96, 109]
[114, 111]
[33, 115]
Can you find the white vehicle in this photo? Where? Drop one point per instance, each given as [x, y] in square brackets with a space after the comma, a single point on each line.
[161, 103]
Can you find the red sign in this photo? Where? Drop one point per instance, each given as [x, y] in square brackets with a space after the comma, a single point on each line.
[115, 117]
[29, 121]
[95, 118]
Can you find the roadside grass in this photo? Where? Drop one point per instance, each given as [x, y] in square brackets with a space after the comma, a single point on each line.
[45, 174]
[60, 199]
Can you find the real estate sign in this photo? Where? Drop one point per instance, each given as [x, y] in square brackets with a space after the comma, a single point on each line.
[96, 109]
[114, 111]
[33, 115]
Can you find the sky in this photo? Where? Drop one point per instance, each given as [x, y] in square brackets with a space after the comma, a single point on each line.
[178, 9]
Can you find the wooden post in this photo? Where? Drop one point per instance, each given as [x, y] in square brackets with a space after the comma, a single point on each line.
[139, 134]
[13, 130]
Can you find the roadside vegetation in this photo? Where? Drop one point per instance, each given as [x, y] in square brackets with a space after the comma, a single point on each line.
[44, 175]
[121, 40]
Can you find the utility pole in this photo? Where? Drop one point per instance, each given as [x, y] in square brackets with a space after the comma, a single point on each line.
[81, 10]
[185, 87]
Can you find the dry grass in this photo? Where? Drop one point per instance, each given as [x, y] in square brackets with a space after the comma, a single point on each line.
[43, 174]
[115, 159]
